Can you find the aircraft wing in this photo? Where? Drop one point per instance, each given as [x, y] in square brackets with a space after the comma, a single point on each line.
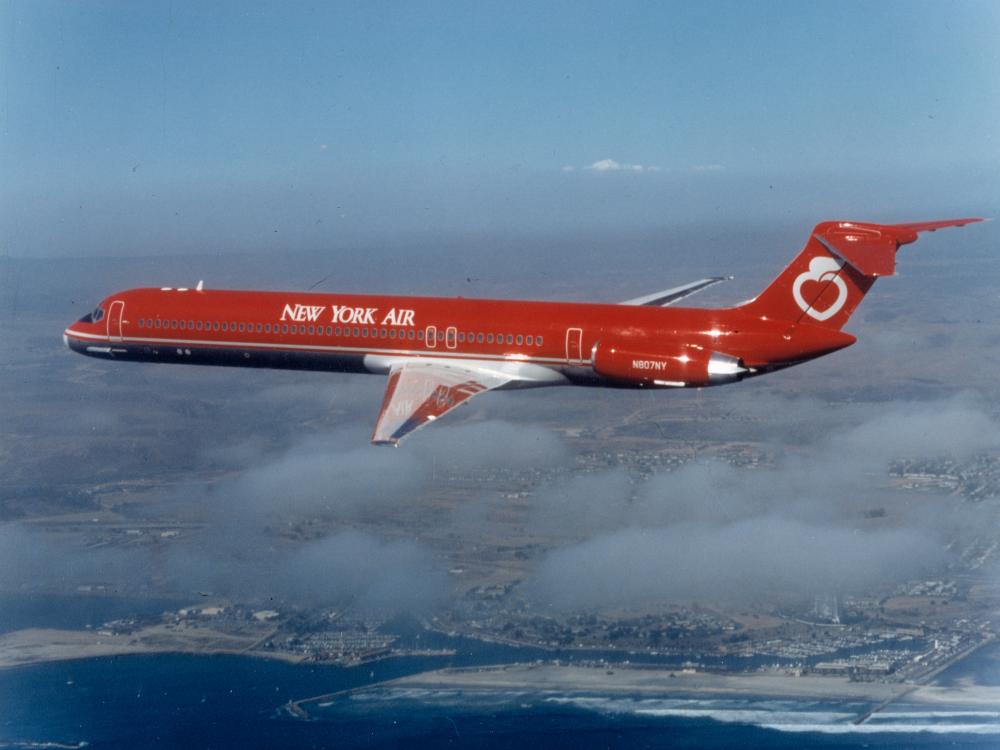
[419, 393]
[670, 296]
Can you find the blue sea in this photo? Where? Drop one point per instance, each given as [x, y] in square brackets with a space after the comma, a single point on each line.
[185, 701]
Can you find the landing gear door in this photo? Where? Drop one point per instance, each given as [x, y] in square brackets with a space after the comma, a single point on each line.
[115, 313]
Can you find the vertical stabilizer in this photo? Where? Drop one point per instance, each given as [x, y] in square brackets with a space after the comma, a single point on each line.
[826, 282]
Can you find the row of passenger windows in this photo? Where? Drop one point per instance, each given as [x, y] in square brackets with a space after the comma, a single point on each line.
[433, 334]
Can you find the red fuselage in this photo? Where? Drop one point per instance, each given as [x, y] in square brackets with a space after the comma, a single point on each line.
[439, 352]
[584, 343]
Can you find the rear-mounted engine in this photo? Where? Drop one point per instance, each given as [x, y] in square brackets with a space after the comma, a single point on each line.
[687, 367]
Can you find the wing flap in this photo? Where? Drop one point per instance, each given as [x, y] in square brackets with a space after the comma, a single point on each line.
[419, 393]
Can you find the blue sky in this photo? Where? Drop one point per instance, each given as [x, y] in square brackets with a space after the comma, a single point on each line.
[140, 128]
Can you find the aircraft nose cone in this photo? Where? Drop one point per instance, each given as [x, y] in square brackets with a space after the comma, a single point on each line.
[71, 342]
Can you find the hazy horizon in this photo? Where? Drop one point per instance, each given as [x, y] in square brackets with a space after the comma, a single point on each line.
[148, 129]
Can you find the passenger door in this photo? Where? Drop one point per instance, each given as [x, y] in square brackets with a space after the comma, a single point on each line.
[574, 346]
[115, 313]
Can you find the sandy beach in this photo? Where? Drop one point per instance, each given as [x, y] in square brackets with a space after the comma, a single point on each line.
[652, 681]
[37, 645]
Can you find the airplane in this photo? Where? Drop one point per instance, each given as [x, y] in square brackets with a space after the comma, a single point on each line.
[440, 352]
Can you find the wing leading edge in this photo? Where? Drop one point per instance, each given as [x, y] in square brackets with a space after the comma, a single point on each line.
[418, 393]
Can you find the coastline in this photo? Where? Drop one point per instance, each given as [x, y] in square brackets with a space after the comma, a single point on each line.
[656, 682]
[34, 646]
[646, 680]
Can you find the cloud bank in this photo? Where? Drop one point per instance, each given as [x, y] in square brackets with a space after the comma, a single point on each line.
[610, 165]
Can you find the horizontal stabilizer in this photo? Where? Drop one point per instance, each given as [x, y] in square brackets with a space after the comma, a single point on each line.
[670, 296]
[871, 248]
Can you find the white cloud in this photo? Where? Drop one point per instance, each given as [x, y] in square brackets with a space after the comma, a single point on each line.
[610, 165]
[568, 168]
[708, 167]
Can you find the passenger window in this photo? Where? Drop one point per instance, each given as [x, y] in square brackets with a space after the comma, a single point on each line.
[329, 330]
[489, 338]
[336, 331]
[392, 333]
[420, 335]
[461, 337]
[409, 334]
[538, 340]
[312, 330]
[225, 326]
[510, 339]
[384, 333]
[182, 325]
[364, 333]
[479, 338]
[260, 328]
[520, 339]
[357, 331]
[528, 340]
[215, 325]
[284, 328]
[190, 325]
[440, 336]
[142, 323]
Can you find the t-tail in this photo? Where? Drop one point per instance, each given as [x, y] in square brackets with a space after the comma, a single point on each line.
[827, 281]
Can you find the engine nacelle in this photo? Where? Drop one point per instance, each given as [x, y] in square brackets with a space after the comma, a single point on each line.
[687, 366]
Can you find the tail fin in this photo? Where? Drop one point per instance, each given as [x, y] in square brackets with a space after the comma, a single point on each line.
[836, 268]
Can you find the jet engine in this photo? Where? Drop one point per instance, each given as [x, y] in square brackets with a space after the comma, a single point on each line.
[687, 366]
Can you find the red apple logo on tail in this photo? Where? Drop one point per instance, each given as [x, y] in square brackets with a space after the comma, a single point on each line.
[822, 270]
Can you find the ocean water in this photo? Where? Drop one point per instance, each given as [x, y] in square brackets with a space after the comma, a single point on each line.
[184, 701]
[35, 610]
[220, 701]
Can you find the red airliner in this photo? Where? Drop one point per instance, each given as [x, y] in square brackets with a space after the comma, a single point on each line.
[440, 352]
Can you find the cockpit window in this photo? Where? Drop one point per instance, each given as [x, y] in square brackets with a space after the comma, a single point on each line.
[94, 316]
